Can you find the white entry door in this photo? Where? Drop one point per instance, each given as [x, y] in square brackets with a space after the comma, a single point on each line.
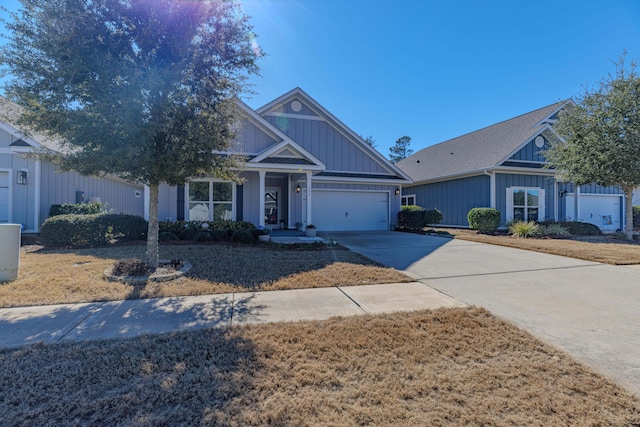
[4, 196]
[350, 210]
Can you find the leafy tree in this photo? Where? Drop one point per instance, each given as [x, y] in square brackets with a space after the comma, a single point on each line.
[141, 89]
[401, 150]
[601, 136]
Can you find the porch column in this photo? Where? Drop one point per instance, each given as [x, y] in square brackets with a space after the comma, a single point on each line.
[576, 203]
[263, 175]
[309, 221]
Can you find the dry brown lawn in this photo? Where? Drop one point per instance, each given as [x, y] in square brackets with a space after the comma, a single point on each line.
[603, 249]
[441, 367]
[71, 276]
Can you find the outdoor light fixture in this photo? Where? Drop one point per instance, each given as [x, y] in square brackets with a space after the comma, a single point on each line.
[298, 189]
[21, 177]
[397, 192]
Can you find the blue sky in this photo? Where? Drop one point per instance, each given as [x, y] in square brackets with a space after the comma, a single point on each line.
[434, 70]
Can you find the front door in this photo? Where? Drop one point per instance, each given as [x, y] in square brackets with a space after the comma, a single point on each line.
[272, 206]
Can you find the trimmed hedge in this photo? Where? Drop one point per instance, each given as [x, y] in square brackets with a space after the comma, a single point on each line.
[91, 230]
[78, 209]
[485, 220]
[167, 236]
[636, 217]
[178, 227]
[415, 218]
[242, 236]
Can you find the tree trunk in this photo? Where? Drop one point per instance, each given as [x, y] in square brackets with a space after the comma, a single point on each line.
[152, 233]
[628, 208]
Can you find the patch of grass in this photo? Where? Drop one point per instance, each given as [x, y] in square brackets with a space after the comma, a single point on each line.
[71, 276]
[605, 249]
[441, 367]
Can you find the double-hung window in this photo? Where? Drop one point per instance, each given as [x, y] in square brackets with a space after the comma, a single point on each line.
[525, 204]
[210, 200]
[409, 199]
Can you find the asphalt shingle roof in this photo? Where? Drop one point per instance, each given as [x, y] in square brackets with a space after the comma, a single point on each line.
[477, 150]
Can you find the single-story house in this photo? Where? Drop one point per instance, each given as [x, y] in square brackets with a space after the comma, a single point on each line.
[28, 187]
[302, 166]
[502, 166]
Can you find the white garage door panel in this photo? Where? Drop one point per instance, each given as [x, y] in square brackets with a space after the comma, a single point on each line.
[350, 210]
[598, 210]
[4, 196]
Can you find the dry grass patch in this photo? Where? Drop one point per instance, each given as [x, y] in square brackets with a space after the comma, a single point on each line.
[442, 367]
[603, 249]
[71, 276]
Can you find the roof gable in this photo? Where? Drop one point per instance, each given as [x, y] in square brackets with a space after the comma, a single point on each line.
[287, 155]
[479, 150]
[310, 120]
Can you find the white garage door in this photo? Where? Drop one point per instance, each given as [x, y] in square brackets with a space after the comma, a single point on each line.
[601, 210]
[4, 196]
[350, 210]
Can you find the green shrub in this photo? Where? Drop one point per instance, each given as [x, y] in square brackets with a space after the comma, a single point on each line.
[554, 229]
[203, 236]
[636, 217]
[220, 235]
[411, 219]
[578, 228]
[187, 234]
[411, 208]
[130, 267]
[91, 230]
[432, 217]
[485, 220]
[167, 236]
[524, 230]
[242, 236]
[78, 209]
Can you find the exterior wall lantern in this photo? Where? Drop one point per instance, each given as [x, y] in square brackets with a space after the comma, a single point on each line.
[298, 189]
[21, 177]
[397, 192]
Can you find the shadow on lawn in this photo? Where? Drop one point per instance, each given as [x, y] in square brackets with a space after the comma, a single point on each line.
[123, 319]
[183, 378]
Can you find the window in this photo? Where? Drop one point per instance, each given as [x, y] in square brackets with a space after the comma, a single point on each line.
[525, 204]
[409, 199]
[210, 200]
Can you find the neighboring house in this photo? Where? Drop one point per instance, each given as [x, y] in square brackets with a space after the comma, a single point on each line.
[501, 166]
[28, 187]
[302, 166]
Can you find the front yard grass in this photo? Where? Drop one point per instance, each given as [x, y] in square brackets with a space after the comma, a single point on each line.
[60, 276]
[605, 249]
[441, 367]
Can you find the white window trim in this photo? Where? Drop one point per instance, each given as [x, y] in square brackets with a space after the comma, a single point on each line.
[406, 196]
[541, 202]
[211, 211]
[10, 193]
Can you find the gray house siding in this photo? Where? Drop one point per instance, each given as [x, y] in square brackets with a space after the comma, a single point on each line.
[454, 198]
[60, 187]
[325, 142]
[251, 139]
[530, 153]
[504, 181]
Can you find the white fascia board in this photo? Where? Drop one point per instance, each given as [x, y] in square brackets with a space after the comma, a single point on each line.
[288, 143]
[524, 171]
[452, 177]
[340, 127]
[564, 104]
[278, 167]
[15, 132]
[351, 180]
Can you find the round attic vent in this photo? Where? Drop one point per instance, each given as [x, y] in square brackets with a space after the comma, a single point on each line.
[296, 106]
[539, 141]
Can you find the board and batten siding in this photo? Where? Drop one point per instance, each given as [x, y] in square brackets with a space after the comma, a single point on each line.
[531, 153]
[22, 203]
[454, 198]
[60, 187]
[323, 141]
[251, 139]
[504, 181]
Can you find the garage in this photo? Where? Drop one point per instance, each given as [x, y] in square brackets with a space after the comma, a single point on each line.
[350, 210]
[602, 210]
[4, 196]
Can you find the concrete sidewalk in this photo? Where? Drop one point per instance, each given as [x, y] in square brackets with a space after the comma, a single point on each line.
[125, 319]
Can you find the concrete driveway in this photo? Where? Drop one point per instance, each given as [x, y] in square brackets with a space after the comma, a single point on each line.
[588, 309]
